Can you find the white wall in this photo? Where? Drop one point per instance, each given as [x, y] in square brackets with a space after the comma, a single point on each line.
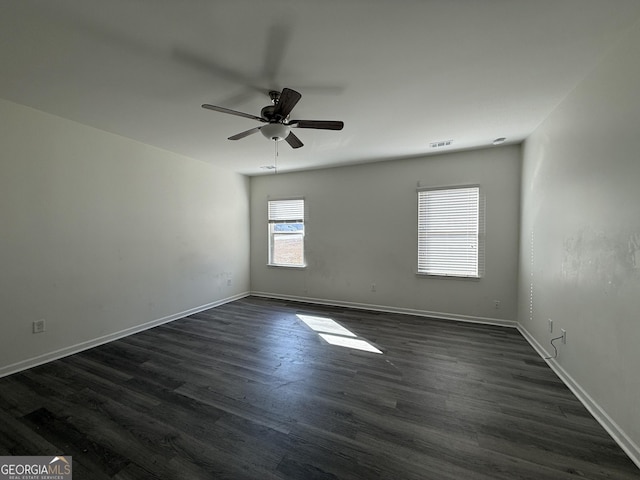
[100, 234]
[581, 239]
[361, 229]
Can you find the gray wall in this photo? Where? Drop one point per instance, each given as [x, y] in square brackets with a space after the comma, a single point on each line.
[102, 235]
[581, 239]
[361, 230]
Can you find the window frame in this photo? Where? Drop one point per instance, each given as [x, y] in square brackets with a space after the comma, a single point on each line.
[297, 218]
[421, 269]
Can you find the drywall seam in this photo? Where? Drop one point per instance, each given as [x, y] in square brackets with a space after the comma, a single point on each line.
[73, 349]
[612, 428]
[384, 308]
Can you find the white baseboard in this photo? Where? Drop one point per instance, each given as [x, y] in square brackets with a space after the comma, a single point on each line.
[612, 428]
[64, 352]
[384, 308]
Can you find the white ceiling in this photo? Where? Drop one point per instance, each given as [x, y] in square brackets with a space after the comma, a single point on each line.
[400, 73]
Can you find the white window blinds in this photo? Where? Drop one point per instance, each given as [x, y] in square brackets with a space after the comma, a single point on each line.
[286, 210]
[449, 232]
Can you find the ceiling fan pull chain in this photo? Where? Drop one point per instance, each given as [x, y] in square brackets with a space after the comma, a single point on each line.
[275, 157]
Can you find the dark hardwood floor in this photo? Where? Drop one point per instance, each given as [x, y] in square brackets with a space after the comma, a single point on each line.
[247, 390]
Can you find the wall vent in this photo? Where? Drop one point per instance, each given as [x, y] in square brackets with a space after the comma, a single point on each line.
[441, 143]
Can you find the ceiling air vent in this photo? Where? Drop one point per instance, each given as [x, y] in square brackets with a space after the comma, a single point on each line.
[441, 143]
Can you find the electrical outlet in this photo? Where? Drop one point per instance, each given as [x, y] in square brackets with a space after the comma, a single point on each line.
[228, 282]
[550, 326]
[373, 287]
[496, 304]
[564, 336]
[39, 326]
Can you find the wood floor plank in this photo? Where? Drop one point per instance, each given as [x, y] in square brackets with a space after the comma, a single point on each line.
[249, 391]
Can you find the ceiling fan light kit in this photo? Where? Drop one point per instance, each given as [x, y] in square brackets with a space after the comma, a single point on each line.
[275, 131]
[276, 119]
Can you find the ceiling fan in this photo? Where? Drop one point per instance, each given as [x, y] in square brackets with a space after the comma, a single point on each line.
[276, 119]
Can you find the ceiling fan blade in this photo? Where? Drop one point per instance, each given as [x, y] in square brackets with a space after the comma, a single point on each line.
[246, 133]
[320, 124]
[288, 99]
[231, 112]
[294, 141]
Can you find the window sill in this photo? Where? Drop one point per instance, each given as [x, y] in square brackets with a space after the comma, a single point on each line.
[448, 277]
[279, 265]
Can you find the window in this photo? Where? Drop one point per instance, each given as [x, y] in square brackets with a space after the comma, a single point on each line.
[286, 232]
[449, 232]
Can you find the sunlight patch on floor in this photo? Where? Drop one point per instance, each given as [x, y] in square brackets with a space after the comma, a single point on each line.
[349, 342]
[326, 325]
[335, 334]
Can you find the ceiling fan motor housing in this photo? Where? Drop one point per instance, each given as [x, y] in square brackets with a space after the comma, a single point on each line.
[267, 112]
